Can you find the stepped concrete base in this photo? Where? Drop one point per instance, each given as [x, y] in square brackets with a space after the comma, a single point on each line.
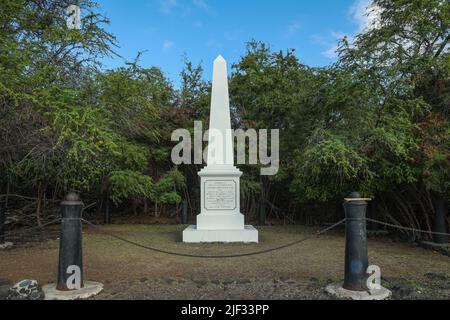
[90, 289]
[248, 235]
[336, 290]
[220, 221]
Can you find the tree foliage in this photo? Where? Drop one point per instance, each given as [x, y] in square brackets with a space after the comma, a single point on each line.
[377, 121]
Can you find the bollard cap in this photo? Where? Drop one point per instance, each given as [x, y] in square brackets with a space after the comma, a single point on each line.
[356, 197]
[72, 199]
[72, 196]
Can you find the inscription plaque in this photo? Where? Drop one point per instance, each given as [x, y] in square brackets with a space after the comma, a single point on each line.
[220, 195]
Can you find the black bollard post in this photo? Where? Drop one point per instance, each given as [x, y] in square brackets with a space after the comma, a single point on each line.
[356, 256]
[440, 220]
[184, 218]
[70, 245]
[2, 224]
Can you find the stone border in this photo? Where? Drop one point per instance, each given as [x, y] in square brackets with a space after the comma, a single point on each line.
[6, 245]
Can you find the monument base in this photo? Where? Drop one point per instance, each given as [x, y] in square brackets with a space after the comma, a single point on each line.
[248, 235]
[220, 221]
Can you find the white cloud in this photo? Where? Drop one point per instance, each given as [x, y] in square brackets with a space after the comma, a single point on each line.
[167, 5]
[330, 53]
[293, 28]
[184, 8]
[339, 35]
[330, 42]
[168, 44]
[365, 15]
[232, 35]
[214, 44]
[318, 39]
[333, 46]
[358, 13]
[200, 4]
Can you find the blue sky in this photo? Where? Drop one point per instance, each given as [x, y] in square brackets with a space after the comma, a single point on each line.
[203, 29]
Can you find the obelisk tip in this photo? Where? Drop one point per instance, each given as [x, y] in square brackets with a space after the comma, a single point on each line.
[219, 59]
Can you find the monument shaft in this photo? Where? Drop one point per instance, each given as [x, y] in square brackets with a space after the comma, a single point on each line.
[220, 219]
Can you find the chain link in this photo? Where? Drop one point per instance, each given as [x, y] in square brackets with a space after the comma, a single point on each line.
[406, 228]
[316, 234]
[213, 256]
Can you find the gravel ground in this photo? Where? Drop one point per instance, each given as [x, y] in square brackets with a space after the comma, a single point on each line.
[298, 272]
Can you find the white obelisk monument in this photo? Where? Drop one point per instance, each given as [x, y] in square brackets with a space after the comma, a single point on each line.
[220, 219]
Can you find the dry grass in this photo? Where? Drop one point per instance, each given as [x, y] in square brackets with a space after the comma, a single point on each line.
[298, 272]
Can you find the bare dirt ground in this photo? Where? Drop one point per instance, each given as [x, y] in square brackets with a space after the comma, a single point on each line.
[298, 272]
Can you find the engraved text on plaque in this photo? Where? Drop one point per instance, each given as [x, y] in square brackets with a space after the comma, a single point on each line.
[220, 195]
